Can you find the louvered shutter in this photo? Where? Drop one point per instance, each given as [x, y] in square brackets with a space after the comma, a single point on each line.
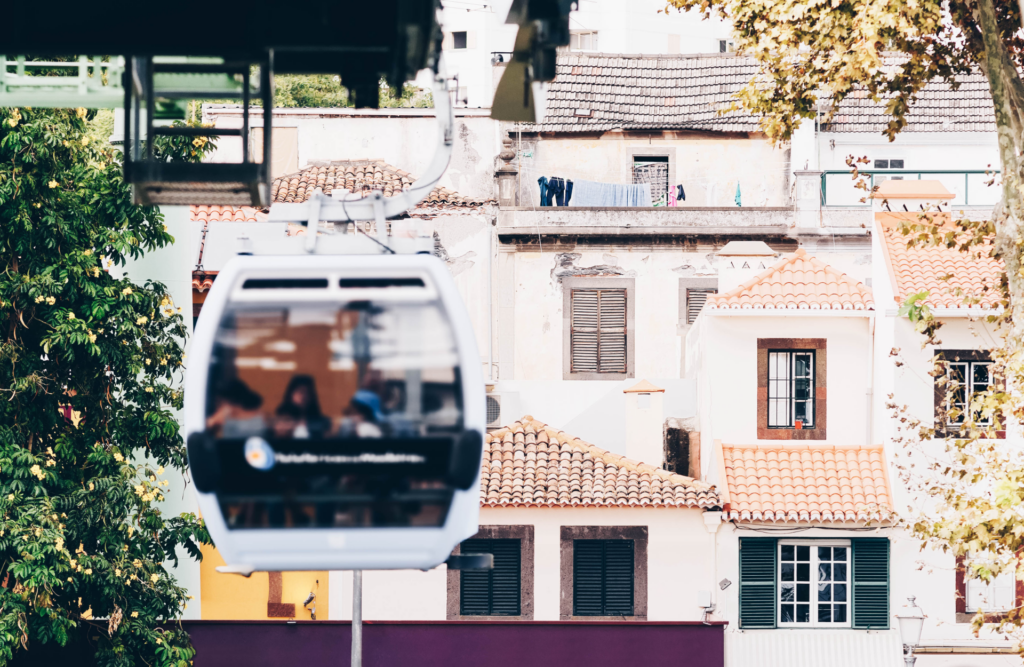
[618, 577]
[602, 578]
[871, 583]
[695, 300]
[598, 336]
[757, 582]
[494, 592]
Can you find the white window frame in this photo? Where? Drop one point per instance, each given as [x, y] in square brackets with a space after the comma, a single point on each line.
[970, 390]
[576, 38]
[814, 622]
[987, 589]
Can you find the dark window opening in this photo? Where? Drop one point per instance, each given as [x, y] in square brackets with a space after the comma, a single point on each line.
[459, 40]
[493, 592]
[677, 451]
[654, 170]
[602, 578]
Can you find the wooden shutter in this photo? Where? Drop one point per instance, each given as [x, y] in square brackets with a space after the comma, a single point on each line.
[598, 336]
[757, 582]
[602, 578]
[871, 583]
[695, 300]
[493, 592]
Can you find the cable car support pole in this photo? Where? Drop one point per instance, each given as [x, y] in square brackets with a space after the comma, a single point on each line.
[357, 618]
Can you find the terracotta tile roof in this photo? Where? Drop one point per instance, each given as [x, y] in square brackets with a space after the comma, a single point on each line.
[912, 189]
[225, 213]
[801, 282]
[820, 483]
[530, 464]
[353, 175]
[203, 280]
[940, 270]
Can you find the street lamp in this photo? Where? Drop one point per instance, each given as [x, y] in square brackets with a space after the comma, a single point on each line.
[911, 624]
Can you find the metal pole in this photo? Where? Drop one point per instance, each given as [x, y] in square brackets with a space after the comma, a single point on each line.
[357, 618]
[909, 659]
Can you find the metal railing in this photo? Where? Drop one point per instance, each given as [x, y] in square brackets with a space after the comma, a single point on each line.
[969, 187]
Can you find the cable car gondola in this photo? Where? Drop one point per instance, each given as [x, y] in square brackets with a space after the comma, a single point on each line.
[334, 411]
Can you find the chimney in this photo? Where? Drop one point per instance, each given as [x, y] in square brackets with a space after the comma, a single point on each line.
[645, 415]
[739, 261]
[904, 196]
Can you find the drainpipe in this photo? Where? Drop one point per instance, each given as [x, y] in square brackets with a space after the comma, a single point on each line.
[490, 300]
[712, 521]
[871, 383]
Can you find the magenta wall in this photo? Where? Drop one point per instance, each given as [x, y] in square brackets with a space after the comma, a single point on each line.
[443, 644]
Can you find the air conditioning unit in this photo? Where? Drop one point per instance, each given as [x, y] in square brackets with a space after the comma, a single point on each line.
[502, 408]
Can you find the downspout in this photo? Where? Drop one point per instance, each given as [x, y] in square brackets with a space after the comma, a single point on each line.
[490, 300]
[871, 383]
[712, 521]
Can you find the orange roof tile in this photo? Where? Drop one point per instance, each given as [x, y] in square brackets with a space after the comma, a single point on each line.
[643, 387]
[225, 213]
[802, 483]
[354, 175]
[940, 270]
[912, 189]
[530, 464]
[801, 282]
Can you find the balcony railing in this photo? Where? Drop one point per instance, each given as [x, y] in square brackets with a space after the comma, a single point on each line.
[969, 187]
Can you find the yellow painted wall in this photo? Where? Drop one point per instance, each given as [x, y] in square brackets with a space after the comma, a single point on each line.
[233, 597]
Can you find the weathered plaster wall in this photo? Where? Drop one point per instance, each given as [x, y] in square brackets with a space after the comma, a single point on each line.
[708, 168]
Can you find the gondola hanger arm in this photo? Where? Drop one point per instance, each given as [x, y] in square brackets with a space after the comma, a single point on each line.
[369, 208]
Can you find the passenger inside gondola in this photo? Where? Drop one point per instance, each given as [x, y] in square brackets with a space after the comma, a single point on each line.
[301, 401]
[238, 413]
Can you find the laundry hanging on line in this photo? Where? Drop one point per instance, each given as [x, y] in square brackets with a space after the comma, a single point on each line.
[559, 191]
[739, 200]
[592, 193]
[543, 183]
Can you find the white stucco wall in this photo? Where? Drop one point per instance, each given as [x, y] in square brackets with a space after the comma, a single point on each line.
[404, 138]
[680, 555]
[727, 387]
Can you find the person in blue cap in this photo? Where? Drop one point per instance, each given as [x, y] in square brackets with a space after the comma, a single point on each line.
[363, 416]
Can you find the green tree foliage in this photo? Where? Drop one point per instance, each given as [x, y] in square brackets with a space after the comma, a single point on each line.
[325, 92]
[813, 55]
[90, 370]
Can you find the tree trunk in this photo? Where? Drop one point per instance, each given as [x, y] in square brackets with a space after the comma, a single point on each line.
[1008, 214]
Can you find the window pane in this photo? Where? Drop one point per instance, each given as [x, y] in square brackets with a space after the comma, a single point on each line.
[787, 551]
[839, 554]
[895, 164]
[803, 592]
[787, 572]
[801, 365]
[786, 592]
[839, 613]
[824, 572]
[801, 389]
[824, 613]
[803, 553]
[824, 592]
[824, 553]
[839, 569]
[839, 592]
[803, 613]
[787, 613]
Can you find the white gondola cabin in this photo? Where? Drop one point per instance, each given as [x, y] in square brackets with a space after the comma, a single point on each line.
[334, 413]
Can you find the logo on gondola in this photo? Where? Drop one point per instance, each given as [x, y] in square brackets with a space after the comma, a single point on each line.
[259, 453]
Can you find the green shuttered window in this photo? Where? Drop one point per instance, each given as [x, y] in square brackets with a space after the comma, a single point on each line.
[757, 582]
[493, 592]
[602, 578]
[763, 576]
[871, 582]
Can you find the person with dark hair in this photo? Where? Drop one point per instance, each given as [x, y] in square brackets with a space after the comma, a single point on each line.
[300, 399]
[238, 413]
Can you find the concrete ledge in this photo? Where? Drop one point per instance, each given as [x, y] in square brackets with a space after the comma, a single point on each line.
[676, 218]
